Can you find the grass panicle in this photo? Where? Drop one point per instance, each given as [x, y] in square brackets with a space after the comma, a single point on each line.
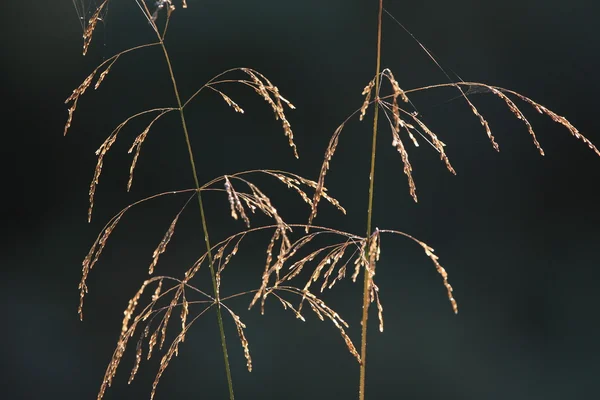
[301, 260]
[398, 118]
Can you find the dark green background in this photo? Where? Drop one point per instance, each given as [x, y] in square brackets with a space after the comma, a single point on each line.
[518, 233]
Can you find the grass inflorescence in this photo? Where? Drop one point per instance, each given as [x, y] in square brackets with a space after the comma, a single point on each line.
[290, 256]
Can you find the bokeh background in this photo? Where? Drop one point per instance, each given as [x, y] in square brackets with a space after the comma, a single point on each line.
[517, 232]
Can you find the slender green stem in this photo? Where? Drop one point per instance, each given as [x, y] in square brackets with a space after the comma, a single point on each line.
[204, 225]
[367, 280]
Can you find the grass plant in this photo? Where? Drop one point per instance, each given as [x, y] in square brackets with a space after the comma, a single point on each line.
[293, 265]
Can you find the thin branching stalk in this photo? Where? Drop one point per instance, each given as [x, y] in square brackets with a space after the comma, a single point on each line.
[367, 279]
[202, 216]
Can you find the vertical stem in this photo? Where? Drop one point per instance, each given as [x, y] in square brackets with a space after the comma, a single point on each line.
[204, 225]
[367, 280]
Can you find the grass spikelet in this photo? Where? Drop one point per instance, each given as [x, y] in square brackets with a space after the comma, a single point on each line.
[137, 145]
[228, 100]
[184, 314]
[131, 307]
[319, 307]
[437, 143]
[151, 344]
[240, 329]
[223, 263]
[107, 144]
[114, 363]
[397, 91]
[320, 189]
[294, 248]
[173, 351]
[286, 304]
[105, 72]
[373, 257]
[111, 370]
[74, 97]
[443, 273]
[361, 259]
[317, 271]
[375, 293]
[293, 181]
[517, 112]
[265, 205]
[167, 317]
[268, 90]
[266, 274]
[92, 257]
[138, 360]
[429, 252]
[397, 143]
[556, 118]
[335, 319]
[235, 203]
[162, 246]
[101, 152]
[164, 362]
[157, 292]
[482, 120]
[367, 93]
[106, 64]
[338, 253]
[501, 93]
[91, 26]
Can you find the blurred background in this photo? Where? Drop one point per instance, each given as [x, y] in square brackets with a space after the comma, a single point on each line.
[518, 233]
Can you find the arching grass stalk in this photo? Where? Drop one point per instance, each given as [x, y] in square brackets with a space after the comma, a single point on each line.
[180, 106]
[367, 278]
